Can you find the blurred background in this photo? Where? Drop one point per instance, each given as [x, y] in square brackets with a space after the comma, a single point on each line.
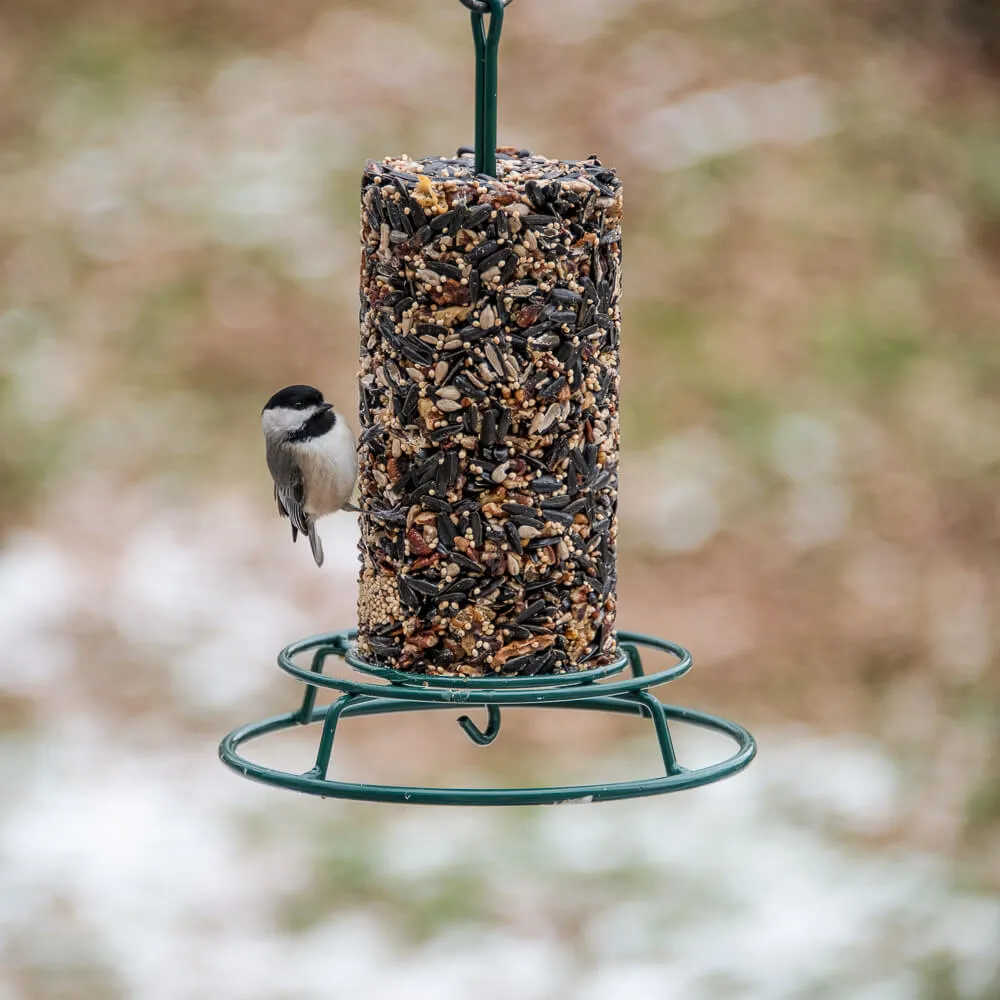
[810, 502]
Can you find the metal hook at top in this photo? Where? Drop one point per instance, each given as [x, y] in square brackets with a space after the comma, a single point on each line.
[480, 6]
[487, 47]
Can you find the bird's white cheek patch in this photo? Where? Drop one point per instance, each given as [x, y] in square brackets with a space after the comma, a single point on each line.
[282, 421]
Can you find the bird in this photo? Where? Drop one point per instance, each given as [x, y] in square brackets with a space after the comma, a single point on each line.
[311, 457]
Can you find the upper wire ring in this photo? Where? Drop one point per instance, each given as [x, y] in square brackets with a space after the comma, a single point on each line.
[480, 6]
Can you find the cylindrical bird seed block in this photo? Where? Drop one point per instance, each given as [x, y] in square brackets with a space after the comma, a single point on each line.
[489, 412]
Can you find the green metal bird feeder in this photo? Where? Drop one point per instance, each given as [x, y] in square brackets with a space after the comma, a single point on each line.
[488, 461]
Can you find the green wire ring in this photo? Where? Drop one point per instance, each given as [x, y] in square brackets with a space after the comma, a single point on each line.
[477, 691]
[566, 691]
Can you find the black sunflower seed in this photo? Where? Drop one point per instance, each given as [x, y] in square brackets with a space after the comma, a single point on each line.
[445, 269]
[543, 543]
[545, 341]
[536, 192]
[540, 221]
[517, 632]
[468, 389]
[436, 504]
[516, 664]
[566, 296]
[440, 434]
[559, 517]
[424, 471]
[538, 629]
[388, 515]
[544, 484]
[420, 586]
[490, 589]
[416, 350]
[444, 221]
[565, 352]
[481, 252]
[539, 663]
[523, 521]
[397, 219]
[550, 503]
[530, 612]
[465, 562]
[552, 388]
[477, 217]
[472, 333]
[441, 478]
[562, 317]
[510, 530]
[503, 423]
[488, 434]
[494, 260]
[476, 524]
[410, 405]
[508, 269]
[599, 481]
[556, 454]
[384, 648]
[518, 508]
[407, 595]
[420, 491]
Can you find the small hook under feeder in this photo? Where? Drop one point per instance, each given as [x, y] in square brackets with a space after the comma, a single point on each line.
[483, 737]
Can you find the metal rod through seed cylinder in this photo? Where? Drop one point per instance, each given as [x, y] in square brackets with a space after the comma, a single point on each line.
[487, 71]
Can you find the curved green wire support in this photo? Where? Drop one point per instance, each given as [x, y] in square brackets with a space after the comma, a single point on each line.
[416, 693]
[487, 71]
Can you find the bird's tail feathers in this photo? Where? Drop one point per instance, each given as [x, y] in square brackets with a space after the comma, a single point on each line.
[316, 545]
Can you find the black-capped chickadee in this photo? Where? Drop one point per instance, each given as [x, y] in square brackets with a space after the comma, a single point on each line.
[312, 458]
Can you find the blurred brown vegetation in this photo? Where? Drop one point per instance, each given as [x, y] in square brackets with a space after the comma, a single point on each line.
[813, 304]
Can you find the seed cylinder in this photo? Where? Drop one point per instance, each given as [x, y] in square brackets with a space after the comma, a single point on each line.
[488, 457]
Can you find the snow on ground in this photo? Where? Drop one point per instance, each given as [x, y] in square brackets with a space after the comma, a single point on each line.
[148, 861]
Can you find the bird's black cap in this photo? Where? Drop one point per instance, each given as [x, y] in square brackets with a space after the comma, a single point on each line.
[294, 397]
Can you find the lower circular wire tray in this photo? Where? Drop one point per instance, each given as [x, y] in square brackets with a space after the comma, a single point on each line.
[400, 692]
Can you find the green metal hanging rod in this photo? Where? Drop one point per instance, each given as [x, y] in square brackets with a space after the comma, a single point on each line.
[487, 65]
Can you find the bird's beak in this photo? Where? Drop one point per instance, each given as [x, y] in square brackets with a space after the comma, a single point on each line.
[325, 407]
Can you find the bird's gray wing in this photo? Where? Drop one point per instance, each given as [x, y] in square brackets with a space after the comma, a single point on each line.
[289, 491]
